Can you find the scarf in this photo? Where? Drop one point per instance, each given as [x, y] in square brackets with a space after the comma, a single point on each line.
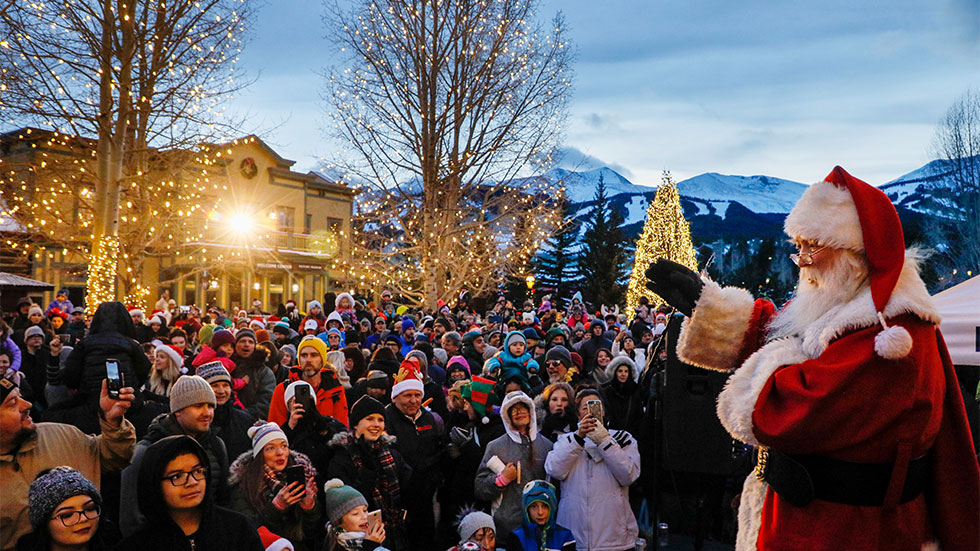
[386, 493]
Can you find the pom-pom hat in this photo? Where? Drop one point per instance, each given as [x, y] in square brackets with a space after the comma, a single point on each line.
[340, 499]
[846, 213]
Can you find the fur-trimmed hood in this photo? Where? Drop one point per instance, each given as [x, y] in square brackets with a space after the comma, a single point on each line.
[618, 360]
[513, 398]
[347, 438]
[237, 469]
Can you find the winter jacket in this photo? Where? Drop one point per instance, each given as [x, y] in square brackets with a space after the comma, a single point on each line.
[531, 536]
[595, 481]
[623, 401]
[331, 401]
[312, 437]
[299, 526]
[131, 518]
[589, 348]
[52, 445]
[231, 424]
[639, 356]
[511, 448]
[504, 366]
[220, 528]
[465, 465]
[257, 393]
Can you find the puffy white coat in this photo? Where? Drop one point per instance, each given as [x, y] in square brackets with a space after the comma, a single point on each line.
[595, 490]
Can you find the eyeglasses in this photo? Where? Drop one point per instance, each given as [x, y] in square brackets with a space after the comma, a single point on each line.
[71, 518]
[552, 363]
[805, 259]
[181, 478]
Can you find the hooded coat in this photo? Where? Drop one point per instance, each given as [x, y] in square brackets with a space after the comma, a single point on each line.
[331, 400]
[530, 449]
[220, 528]
[131, 516]
[257, 393]
[534, 537]
[505, 366]
[623, 401]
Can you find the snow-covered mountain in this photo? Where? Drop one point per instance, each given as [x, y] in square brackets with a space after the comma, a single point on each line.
[924, 190]
[760, 194]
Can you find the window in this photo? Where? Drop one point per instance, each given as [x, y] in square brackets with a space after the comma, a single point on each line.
[335, 225]
[308, 224]
[285, 217]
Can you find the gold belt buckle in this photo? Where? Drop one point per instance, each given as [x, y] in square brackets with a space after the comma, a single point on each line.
[761, 461]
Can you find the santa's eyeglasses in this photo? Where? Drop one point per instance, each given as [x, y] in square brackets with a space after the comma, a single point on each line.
[803, 259]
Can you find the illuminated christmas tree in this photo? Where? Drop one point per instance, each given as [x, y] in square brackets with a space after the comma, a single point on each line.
[666, 234]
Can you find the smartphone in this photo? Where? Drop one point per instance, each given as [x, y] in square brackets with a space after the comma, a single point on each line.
[114, 379]
[595, 409]
[63, 338]
[296, 473]
[302, 394]
[374, 517]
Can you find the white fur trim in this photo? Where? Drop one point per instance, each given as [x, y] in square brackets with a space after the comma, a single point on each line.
[712, 337]
[750, 513]
[518, 397]
[909, 297]
[826, 214]
[291, 391]
[737, 401]
[893, 343]
[410, 383]
[281, 544]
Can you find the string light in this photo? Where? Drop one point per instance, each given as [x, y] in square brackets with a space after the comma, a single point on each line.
[666, 234]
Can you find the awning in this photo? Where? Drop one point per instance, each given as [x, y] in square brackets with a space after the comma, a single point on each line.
[13, 281]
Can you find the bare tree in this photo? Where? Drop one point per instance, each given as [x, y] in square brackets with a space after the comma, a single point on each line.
[955, 233]
[145, 80]
[446, 105]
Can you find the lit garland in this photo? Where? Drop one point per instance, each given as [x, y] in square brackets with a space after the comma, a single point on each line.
[666, 234]
[158, 90]
[102, 268]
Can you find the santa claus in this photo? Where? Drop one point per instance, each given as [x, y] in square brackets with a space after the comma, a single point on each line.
[847, 393]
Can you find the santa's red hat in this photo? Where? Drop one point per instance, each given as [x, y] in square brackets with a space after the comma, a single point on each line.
[273, 542]
[176, 355]
[408, 378]
[135, 311]
[846, 213]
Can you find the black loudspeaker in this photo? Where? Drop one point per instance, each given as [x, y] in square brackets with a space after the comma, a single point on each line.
[693, 438]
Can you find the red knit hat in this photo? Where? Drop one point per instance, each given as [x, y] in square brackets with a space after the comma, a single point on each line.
[846, 213]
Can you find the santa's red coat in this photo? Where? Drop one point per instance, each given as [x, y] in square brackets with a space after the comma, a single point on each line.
[829, 393]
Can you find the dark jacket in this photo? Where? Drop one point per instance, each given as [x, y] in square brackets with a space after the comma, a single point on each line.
[220, 528]
[312, 438]
[419, 442]
[231, 424]
[131, 517]
[589, 348]
[623, 401]
[257, 394]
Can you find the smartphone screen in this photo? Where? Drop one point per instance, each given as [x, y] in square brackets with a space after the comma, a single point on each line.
[112, 370]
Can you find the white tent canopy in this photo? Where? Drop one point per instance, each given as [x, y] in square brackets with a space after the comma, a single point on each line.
[959, 307]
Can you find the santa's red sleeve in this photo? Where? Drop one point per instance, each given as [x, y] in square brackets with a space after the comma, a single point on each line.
[726, 327]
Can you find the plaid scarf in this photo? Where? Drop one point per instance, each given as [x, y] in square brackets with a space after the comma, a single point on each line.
[386, 493]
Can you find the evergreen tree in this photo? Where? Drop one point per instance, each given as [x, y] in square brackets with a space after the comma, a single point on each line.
[556, 264]
[666, 234]
[602, 261]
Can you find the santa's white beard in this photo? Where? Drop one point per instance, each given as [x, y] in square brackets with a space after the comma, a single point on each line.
[819, 291]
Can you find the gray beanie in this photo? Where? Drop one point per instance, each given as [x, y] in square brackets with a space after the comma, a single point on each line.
[190, 390]
[472, 522]
[560, 353]
[52, 487]
[32, 331]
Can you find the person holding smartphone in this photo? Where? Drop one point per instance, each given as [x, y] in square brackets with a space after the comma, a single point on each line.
[350, 526]
[275, 487]
[596, 468]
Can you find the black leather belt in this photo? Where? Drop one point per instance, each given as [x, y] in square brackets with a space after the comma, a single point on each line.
[799, 479]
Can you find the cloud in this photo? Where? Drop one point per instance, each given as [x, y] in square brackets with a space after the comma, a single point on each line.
[572, 158]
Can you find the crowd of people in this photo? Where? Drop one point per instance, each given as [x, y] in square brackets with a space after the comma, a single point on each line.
[346, 424]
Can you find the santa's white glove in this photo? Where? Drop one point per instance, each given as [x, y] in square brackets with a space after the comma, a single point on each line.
[598, 434]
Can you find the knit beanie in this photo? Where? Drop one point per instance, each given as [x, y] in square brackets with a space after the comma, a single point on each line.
[262, 335]
[281, 328]
[274, 542]
[310, 341]
[263, 433]
[561, 354]
[54, 486]
[472, 522]
[213, 372]
[364, 406]
[34, 330]
[35, 309]
[340, 499]
[242, 333]
[190, 390]
[205, 334]
[377, 378]
[222, 337]
[313, 303]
